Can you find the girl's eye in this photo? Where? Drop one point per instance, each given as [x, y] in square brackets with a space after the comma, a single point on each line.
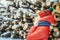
[57, 16]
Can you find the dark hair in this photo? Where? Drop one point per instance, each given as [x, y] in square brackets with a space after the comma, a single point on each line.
[58, 4]
[54, 6]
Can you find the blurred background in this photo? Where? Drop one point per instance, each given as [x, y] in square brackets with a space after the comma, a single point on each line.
[17, 16]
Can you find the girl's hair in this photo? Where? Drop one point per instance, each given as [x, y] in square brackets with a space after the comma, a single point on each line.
[58, 4]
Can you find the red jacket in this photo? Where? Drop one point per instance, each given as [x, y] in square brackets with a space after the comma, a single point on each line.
[41, 32]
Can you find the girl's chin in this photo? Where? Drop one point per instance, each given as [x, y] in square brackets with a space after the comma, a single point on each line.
[54, 24]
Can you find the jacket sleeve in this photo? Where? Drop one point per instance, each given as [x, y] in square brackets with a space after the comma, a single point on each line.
[49, 18]
[47, 15]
